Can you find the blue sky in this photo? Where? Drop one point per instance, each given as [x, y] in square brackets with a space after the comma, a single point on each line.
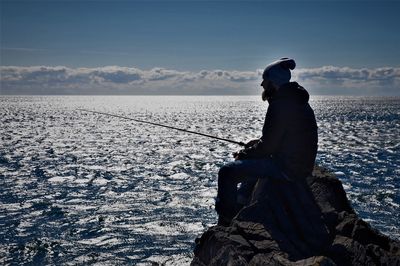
[191, 36]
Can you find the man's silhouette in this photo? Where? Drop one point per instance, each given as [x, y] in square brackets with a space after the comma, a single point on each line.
[287, 148]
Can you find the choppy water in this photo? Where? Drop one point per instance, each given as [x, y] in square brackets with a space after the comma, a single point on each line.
[78, 188]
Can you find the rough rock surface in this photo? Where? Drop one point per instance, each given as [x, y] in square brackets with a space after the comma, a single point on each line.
[292, 223]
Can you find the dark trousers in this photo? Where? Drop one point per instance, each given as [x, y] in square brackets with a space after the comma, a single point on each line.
[246, 172]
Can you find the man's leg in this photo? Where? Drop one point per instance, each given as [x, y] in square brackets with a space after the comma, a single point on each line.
[235, 172]
[245, 190]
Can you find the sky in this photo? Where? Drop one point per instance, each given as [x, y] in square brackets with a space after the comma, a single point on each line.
[197, 47]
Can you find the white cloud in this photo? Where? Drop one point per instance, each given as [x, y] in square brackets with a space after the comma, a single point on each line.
[129, 80]
[338, 80]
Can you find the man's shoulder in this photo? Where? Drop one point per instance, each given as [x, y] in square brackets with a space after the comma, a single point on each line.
[282, 104]
[287, 109]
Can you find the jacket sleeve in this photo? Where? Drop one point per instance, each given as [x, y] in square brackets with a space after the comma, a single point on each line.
[273, 132]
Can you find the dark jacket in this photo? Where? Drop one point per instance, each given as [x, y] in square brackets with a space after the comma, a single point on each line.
[289, 135]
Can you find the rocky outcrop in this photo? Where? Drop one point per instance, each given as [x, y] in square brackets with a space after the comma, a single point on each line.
[294, 223]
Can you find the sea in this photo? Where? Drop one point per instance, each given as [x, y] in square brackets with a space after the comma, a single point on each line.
[79, 188]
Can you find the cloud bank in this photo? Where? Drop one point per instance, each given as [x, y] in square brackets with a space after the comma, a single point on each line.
[116, 80]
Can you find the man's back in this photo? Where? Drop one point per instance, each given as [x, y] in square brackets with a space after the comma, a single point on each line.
[290, 134]
[297, 148]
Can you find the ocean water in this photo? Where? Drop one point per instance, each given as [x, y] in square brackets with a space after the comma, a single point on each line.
[86, 189]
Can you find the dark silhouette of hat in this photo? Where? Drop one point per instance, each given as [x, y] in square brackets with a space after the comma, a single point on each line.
[279, 71]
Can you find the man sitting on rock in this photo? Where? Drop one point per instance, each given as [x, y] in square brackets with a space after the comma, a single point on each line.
[287, 148]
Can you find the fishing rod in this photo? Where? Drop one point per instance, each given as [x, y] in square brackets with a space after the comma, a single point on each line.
[166, 126]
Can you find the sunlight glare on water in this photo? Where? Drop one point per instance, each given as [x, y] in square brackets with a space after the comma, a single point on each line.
[83, 188]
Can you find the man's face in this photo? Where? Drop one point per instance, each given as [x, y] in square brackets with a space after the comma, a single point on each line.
[269, 89]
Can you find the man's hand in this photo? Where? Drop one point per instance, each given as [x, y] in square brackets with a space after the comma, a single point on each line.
[238, 155]
[251, 143]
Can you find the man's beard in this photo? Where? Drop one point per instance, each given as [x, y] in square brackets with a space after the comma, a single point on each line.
[266, 95]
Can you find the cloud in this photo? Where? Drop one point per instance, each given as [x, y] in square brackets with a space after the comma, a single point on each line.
[130, 80]
[345, 80]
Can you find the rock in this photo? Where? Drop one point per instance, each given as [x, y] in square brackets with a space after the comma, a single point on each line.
[297, 223]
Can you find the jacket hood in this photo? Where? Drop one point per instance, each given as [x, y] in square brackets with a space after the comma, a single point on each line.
[292, 91]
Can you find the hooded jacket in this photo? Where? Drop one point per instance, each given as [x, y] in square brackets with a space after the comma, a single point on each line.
[290, 133]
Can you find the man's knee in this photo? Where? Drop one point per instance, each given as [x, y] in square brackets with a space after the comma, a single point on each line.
[224, 171]
[226, 175]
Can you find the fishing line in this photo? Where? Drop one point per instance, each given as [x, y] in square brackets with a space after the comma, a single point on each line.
[166, 126]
